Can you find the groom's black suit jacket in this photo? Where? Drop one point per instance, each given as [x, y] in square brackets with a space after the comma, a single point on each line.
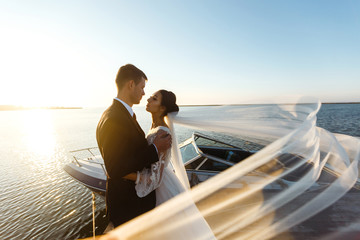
[124, 149]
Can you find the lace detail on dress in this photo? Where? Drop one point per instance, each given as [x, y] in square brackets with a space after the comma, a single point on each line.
[150, 178]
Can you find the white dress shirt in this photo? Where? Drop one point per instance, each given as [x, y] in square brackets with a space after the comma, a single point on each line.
[131, 111]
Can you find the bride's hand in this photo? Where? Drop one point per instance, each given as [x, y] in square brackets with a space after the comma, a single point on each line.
[162, 141]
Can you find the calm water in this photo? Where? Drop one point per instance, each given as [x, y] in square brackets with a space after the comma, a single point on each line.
[40, 201]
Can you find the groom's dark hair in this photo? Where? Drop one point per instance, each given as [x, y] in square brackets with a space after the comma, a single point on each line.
[128, 72]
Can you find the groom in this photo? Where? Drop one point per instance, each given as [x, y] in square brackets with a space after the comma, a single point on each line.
[124, 148]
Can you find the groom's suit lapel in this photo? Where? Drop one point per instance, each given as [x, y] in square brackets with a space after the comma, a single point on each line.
[138, 126]
[131, 119]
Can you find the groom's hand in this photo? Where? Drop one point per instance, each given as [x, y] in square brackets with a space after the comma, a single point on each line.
[162, 141]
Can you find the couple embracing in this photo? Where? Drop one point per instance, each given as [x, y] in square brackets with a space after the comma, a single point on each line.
[139, 176]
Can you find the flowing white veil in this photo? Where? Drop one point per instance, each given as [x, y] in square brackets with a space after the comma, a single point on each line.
[310, 168]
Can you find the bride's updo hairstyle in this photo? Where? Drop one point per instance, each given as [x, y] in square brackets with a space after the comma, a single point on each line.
[168, 100]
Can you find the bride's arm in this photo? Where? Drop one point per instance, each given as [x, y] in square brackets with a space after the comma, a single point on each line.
[150, 178]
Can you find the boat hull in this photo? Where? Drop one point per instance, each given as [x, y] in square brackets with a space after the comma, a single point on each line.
[87, 178]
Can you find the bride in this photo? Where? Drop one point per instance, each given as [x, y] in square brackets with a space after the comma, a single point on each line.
[161, 176]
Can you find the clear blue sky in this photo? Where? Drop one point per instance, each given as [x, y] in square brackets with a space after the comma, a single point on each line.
[207, 52]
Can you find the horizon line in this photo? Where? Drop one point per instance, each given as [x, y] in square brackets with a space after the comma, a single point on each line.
[19, 107]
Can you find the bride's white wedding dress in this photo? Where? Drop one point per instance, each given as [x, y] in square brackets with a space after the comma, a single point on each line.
[161, 177]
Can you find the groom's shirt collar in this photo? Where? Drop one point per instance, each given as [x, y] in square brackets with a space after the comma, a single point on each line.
[132, 114]
[131, 111]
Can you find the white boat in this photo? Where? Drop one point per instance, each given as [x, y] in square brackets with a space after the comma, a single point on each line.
[203, 158]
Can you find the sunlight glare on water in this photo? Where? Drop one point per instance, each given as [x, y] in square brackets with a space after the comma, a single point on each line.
[39, 135]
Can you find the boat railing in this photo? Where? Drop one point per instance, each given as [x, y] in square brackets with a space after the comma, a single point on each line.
[90, 150]
[87, 155]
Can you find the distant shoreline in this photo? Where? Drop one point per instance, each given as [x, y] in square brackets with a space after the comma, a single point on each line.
[16, 108]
